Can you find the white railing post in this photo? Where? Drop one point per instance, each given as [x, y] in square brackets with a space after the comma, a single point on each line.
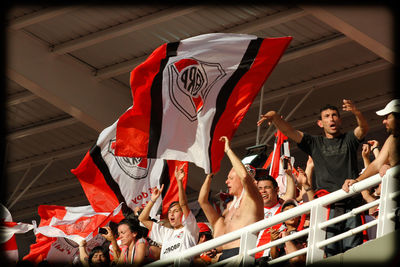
[316, 235]
[247, 241]
[179, 261]
[387, 205]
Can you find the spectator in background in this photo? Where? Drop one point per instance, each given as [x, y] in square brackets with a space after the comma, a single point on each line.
[269, 190]
[98, 256]
[184, 233]
[292, 226]
[207, 257]
[390, 152]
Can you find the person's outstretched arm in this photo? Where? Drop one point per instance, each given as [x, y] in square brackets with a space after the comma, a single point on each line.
[282, 125]
[179, 175]
[247, 181]
[290, 184]
[144, 215]
[375, 165]
[83, 256]
[362, 125]
[211, 214]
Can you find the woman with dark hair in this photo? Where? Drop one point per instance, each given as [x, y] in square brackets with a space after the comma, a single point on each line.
[134, 248]
[98, 256]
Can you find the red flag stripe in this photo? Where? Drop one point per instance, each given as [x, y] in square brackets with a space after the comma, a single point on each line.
[270, 50]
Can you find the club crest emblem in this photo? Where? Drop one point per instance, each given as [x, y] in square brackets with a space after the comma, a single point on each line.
[190, 81]
[136, 168]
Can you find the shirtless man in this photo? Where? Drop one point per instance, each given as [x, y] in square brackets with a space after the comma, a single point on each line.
[390, 150]
[245, 208]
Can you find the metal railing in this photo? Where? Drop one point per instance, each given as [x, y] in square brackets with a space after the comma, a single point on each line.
[316, 231]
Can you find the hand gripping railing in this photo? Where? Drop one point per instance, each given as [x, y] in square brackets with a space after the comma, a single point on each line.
[316, 230]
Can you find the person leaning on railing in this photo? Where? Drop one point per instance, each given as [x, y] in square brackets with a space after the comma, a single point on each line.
[390, 151]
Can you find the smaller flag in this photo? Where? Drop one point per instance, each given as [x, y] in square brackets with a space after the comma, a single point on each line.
[74, 223]
[8, 228]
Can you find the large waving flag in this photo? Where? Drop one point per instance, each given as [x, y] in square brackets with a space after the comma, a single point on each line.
[190, 93]
[108, 179]
[8, 244]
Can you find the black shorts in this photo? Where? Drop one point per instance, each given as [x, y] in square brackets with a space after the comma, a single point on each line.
[227, 253]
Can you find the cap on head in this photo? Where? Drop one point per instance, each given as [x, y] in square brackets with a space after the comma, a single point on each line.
[392, 106]
[203, 227]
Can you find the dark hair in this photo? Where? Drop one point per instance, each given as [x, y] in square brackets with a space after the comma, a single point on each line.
[173, 204]
[328, 106]
[267, 177]
[102, 250]
[134, 226]
[208, 235]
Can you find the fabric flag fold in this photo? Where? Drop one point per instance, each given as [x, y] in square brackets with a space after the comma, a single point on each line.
[108, 180]
[8, 243]
[190, 93]
[74, 223]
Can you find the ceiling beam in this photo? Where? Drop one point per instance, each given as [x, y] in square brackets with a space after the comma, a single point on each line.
[122, 29]
[20, 98]
[41, 128]
[74, 151]
[63, 82]
[315, 47]
[38, 16]
[68, 184]
[370, 104]
[370, 26]
[324, 81]
[268, 21]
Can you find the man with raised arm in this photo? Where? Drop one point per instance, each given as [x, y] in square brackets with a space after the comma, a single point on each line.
[391, 148]
[245, 208]
[335, 159]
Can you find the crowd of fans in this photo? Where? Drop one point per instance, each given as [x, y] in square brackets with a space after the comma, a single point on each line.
[332, 165]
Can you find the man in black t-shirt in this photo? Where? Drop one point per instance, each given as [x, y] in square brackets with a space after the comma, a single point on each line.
[335, 160]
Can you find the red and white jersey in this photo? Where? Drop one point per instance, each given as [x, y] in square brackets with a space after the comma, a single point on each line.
[174, 241]
[264, 236]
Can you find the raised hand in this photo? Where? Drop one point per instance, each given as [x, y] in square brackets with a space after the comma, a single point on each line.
[227, 145]
[156, 193]
[302, 177]
[180, 173]
[348, 105]
[266, 117]
[373, 144]
[365, 151]
[109, 236]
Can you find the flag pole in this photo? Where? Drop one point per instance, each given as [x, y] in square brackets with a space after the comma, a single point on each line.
[259, 114]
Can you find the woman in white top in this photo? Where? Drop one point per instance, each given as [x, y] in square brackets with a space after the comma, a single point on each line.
[184, 233]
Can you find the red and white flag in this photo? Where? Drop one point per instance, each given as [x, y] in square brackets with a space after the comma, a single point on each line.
[74, 223]
[274, 161]
[190, 93]
[108, 179]
[61, 229]
[8, 244]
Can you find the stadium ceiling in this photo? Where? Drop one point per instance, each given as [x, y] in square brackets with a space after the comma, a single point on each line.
[67, 78]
